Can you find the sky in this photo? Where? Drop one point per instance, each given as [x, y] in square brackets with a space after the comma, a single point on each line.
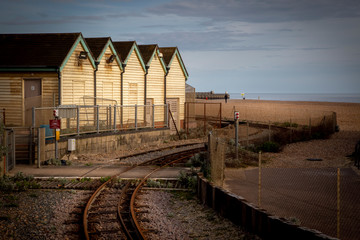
[250, 46]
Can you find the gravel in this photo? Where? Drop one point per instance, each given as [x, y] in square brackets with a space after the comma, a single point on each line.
[178, 215]
[38, 214]
[44, 214]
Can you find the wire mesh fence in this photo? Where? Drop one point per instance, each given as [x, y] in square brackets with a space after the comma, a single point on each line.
[77, 119]
[324, 199]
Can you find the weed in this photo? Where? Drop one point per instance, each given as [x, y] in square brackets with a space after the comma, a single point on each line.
[269, 147]
[188, 179]
[104, 179]
[88, 164]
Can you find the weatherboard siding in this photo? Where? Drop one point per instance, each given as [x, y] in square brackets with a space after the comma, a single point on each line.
[77, 80]
[12, 94]
[175, 85]
[108, 83]
[133, 89]
[155, 87]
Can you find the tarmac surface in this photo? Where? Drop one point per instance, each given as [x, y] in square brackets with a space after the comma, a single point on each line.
[95, 171]
[306, 196]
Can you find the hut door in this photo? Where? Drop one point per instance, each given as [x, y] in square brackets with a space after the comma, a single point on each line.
[32, 98]
[174, 108]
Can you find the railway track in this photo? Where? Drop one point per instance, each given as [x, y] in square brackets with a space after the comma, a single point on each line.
[111, 211]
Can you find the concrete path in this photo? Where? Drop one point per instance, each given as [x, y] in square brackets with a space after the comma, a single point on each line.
[95, 171]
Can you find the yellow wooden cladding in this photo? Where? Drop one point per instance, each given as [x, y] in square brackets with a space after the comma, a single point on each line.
[133, 89]
[77, 80]
[108, 83]
[77, 86]
[175, 85]
[155, 87]
[12, 95]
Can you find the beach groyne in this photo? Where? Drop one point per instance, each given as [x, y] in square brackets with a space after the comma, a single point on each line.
[211, 95]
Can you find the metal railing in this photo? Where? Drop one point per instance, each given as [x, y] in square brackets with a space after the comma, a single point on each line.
[83, 119]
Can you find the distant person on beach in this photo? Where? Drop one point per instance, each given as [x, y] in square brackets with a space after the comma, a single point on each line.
[243, 96]
[226, 97]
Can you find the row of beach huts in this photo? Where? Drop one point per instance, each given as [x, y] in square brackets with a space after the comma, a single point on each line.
[65, 69]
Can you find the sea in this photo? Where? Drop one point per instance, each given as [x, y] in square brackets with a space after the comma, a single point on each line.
[313, 97]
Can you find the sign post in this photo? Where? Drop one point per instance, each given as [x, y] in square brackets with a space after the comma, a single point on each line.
[55, 124]
[236, 122]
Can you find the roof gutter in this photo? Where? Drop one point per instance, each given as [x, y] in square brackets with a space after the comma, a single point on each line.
[167, 72]
[96, 69]
[59, 85]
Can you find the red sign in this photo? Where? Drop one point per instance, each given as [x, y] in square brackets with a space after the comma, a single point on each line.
[54, 123]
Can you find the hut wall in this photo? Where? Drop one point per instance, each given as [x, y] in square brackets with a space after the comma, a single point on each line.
[155, 87]
[77, 80]
[108, 83]
[175, 87]
[133, 89]
[12, 94]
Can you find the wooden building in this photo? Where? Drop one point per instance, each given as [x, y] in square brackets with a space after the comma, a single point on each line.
[175, 83]
[43, 70]
[155, 82]
[107, 76]
[132, 82]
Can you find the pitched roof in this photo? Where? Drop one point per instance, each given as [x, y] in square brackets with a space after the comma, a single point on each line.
[147, 52]
[97, 45]
[35, 50]
[124, 48]
[168, 55]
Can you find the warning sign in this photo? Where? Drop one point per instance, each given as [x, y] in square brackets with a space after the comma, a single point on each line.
[54, 123]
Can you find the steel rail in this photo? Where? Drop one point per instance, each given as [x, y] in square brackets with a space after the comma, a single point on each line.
[132, 202]
[102, 187]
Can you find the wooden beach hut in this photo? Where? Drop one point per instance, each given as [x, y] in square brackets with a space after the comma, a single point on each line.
[154, 83]
[132, 83]
[107, 77]
[175, 83]
[43, 70]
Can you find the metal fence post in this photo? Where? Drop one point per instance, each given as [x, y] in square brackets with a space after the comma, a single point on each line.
[135, 116]
[110, 116]
[153, 116]
[167, 115]
[97, 118]
[78, 119]
[115, 118]
[33, 117]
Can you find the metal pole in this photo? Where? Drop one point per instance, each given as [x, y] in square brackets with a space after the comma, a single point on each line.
[153, 116]
[78, 120]
[115, 118]
[220, 114]
[109, 116]
[167, 115]
[237, 138]
[39, 149]
[33, 117]
[135, 116]
[97, 118]
[259, 184]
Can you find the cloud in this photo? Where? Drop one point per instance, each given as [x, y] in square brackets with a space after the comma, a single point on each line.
[262, 10]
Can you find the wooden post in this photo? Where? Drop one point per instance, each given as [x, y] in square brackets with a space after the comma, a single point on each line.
[259, 184]
[247, 133]
[269, 131]
[204, 118]
[338, 203]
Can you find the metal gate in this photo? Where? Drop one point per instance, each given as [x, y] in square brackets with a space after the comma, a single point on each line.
[10, 149]
[174, 108]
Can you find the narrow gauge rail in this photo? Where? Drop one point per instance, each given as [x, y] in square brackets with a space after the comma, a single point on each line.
[125, 209]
